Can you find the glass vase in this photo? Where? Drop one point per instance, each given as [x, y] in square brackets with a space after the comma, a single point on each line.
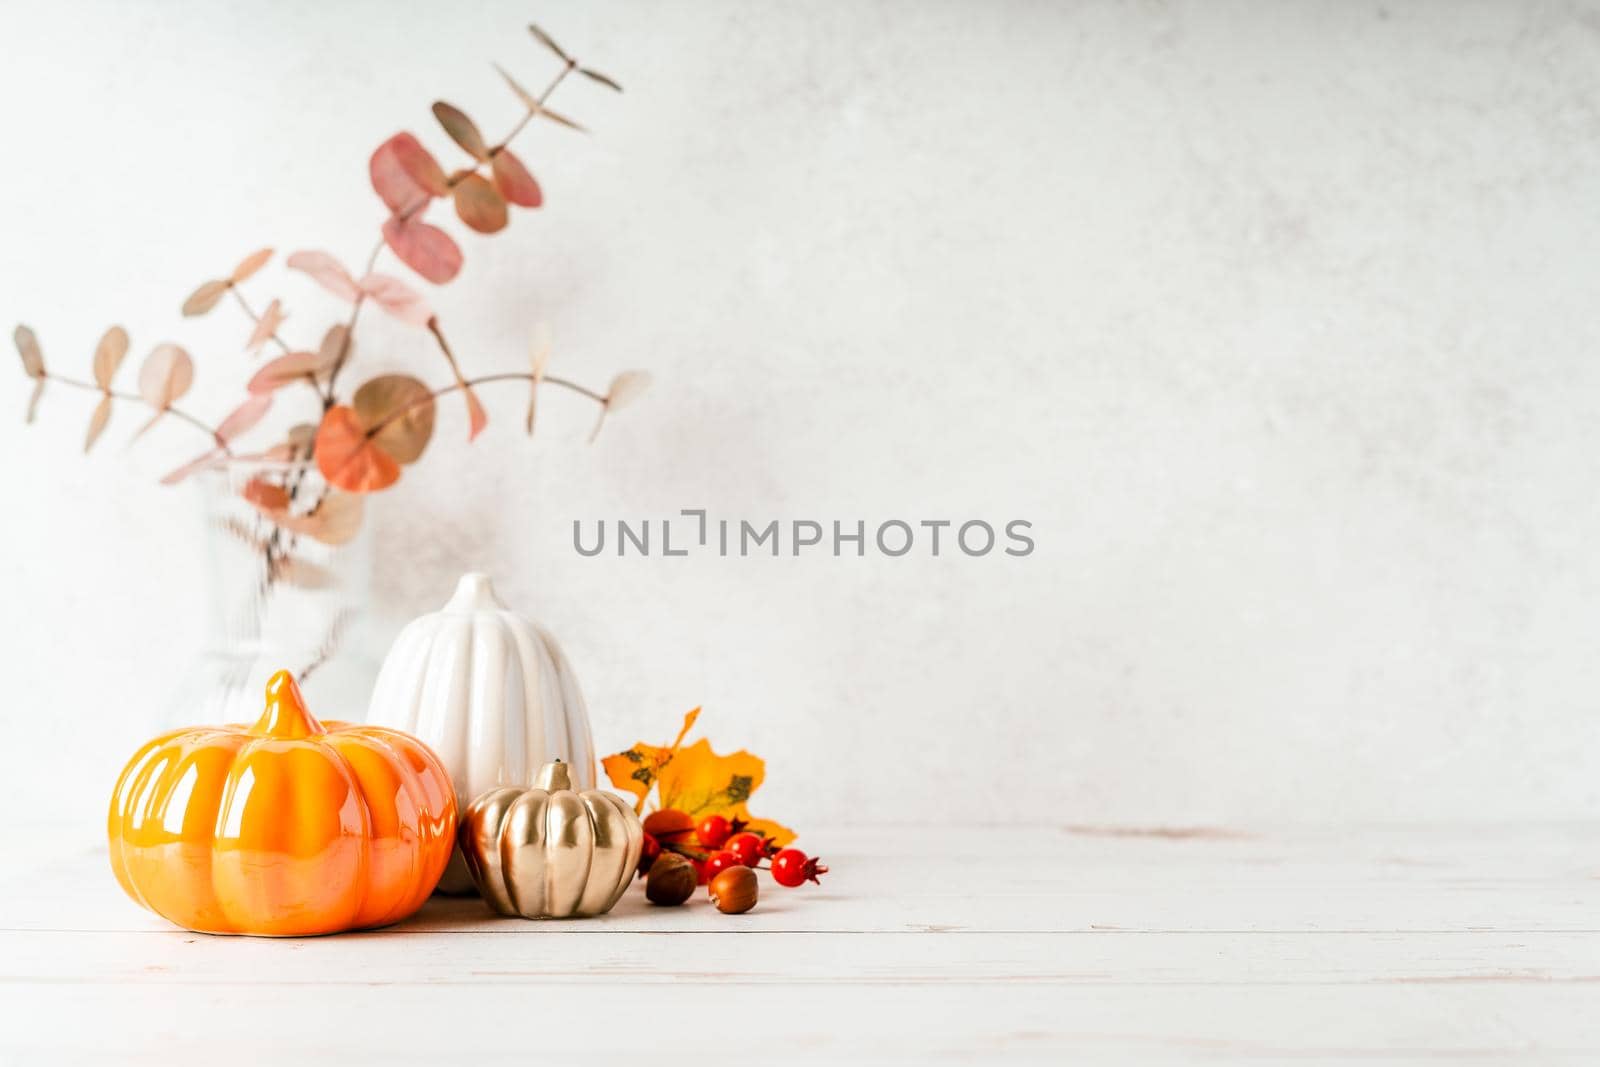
[277, 600]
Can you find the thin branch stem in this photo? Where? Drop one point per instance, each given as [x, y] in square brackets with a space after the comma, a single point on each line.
[468, 383]
[177, 413]
[561, 76]
[248, 310]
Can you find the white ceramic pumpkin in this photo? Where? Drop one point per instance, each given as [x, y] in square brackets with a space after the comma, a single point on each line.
[491, 693]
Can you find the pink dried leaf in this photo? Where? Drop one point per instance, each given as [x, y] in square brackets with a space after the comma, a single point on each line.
[326, 272]
[285, 370]
[249, 265]
[624, 389]
[98, 421]
[540, 350]
[404, 174]
[28, 347]
[108, 355]
[477, 418]
[397, 298]
[206, 297]
[166, 375]
[514, 181]
[424, 248]
[243, 417]
[266, 326]
[199, 463]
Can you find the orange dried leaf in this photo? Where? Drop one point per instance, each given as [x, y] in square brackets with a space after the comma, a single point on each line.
[265, 495]
[28, 346]
[266, 326]
[97, 421]
[513, 181]
[206, 297]
[462, 130]
[348, 459]
[426, 249]
[327, 272]
[249, 265]
[404, 174]
[397, 298]
[403, 407]
[480, 204]
[166, 375]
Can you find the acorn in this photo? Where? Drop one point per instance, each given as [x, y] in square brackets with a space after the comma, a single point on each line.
[671, 880]
[734, 890]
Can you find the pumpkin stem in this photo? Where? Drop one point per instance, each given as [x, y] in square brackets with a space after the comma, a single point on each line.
[554, 777]
[286, 715]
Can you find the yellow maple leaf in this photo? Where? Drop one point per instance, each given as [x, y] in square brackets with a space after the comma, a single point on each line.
[699, 782]
[636, 769]
[695, 780]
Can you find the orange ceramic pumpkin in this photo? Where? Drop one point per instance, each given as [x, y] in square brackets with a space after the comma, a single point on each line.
[286, 828]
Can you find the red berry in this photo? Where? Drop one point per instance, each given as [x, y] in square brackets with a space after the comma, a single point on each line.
[700, 876]
[719, 862]
[648, 854]
[791, 867]
[713, 831]
[749, 847]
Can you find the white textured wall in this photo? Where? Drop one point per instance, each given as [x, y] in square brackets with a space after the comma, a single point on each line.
[1277, 320]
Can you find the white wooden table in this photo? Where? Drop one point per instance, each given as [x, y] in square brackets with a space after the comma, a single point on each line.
[978, 943]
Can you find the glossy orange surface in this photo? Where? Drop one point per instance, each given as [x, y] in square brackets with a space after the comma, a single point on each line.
[285, 828]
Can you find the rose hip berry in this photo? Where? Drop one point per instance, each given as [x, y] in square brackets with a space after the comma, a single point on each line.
[750, 848]
[713, 831]
[718, 862]
[648, 854]
[791, 867]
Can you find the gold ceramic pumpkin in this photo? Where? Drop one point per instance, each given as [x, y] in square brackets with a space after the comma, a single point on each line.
[549, 852]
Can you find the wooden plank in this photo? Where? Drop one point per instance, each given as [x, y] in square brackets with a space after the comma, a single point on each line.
[666, 1023]
[1028, 943]
[601, 957]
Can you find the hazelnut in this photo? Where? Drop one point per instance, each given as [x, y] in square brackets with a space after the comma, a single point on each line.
[734, 890]
[671, 880]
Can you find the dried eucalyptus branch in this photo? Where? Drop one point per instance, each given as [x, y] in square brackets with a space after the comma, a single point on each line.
[358, 445]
